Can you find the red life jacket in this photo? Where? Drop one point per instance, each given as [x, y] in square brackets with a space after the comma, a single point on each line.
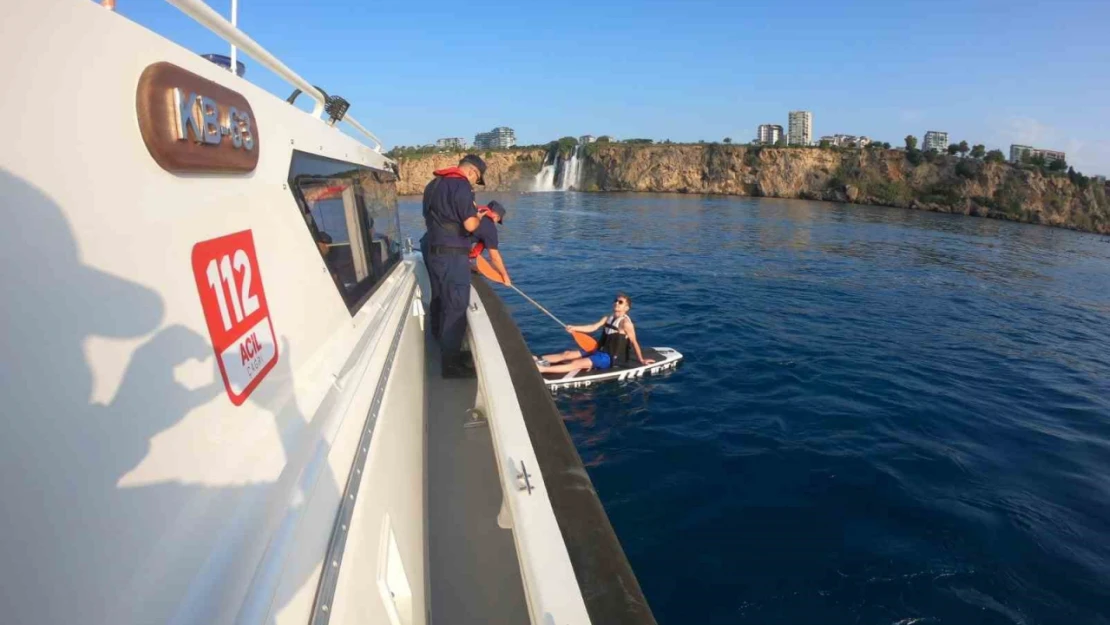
[479, 247]
[450, 172]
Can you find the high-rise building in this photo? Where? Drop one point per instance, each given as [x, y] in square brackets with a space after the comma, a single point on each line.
[935, 140]
[800, 128]
[500, 137]
[769, 134]
[1018, 153]
[451, 143]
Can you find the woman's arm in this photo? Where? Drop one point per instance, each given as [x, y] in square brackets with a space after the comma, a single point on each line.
[630, 331]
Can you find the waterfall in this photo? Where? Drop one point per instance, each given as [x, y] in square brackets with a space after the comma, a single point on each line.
[570, 171]
[545, 180]
[553, 166]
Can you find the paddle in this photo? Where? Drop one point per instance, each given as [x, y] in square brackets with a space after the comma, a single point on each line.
[585, 341]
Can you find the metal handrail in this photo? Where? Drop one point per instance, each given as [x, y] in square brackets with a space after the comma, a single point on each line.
[216, 23]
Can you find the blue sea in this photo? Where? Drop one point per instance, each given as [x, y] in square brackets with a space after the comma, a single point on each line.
[884, 416]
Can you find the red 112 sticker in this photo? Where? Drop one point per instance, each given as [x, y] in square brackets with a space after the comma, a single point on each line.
[230, 287]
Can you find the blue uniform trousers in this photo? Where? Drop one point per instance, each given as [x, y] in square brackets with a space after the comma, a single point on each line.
[450, 281]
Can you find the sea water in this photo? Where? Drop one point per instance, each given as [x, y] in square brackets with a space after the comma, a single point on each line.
[884, 416]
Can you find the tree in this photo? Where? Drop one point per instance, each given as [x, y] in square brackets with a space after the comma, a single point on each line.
[978, 150]
[968, 168]
[728, 140]
[963, 149]
[1078, 178]
[566, 145]
[604, 139]
[1037, 160]
[952, 149]
[886, 145]
[781, 143]
[995, 156]
[911, 143]
[1057, 165]
[825, 143]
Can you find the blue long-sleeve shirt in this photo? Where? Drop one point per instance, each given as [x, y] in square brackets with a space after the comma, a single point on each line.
[448, 202]
[486, 234]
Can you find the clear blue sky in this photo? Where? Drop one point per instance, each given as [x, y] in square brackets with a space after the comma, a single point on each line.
[988, 72]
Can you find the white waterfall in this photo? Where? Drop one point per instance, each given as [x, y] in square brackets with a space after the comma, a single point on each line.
[545, 180]
[570, 172]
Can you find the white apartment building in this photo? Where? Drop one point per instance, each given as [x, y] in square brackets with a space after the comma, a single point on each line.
[1018, 152]
[935, 140]
[500, 137]
[451, 143]
[769, 134]
[800, 128]
[847, 141]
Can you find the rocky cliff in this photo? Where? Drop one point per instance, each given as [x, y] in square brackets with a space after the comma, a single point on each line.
[506, 170]
[946, 184]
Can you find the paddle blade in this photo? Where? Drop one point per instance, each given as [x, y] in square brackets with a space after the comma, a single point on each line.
[488, 271]
[585, 341]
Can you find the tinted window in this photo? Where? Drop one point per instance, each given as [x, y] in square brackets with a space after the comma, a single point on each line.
[351, 214]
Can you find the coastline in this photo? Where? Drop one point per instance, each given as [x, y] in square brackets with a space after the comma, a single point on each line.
[870, 177]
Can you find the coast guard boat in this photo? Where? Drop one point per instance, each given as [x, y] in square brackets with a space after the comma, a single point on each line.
[219, 404]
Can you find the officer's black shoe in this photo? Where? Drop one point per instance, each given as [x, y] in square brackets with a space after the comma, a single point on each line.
[458, 365]
[458, 371]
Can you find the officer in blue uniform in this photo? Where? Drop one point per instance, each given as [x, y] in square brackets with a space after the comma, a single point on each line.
[485, 238]
[451, 215]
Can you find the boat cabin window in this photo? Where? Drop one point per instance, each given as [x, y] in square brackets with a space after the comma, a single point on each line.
[351, 214]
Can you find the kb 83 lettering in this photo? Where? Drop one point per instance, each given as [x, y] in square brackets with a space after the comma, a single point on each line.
[192, 124]
[202, 119]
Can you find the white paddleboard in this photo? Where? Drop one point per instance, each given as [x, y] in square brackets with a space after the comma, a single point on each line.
[666, 359]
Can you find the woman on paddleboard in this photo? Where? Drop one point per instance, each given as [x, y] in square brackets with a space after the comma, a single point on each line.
[618, 342]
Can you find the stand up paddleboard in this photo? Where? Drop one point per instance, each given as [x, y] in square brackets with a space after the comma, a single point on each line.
[665, 360]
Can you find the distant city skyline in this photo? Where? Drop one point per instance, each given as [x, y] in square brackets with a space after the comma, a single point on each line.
[868, 67]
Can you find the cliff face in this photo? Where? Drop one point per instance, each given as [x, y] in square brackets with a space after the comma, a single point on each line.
[506, 170]
[883, 177]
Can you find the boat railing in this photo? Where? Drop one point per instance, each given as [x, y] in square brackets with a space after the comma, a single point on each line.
[221, 27]
[548, 495]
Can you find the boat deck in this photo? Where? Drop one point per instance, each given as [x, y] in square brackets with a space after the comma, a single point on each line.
[474, 573]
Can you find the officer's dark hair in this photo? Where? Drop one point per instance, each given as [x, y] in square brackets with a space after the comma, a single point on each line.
[625, 297]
